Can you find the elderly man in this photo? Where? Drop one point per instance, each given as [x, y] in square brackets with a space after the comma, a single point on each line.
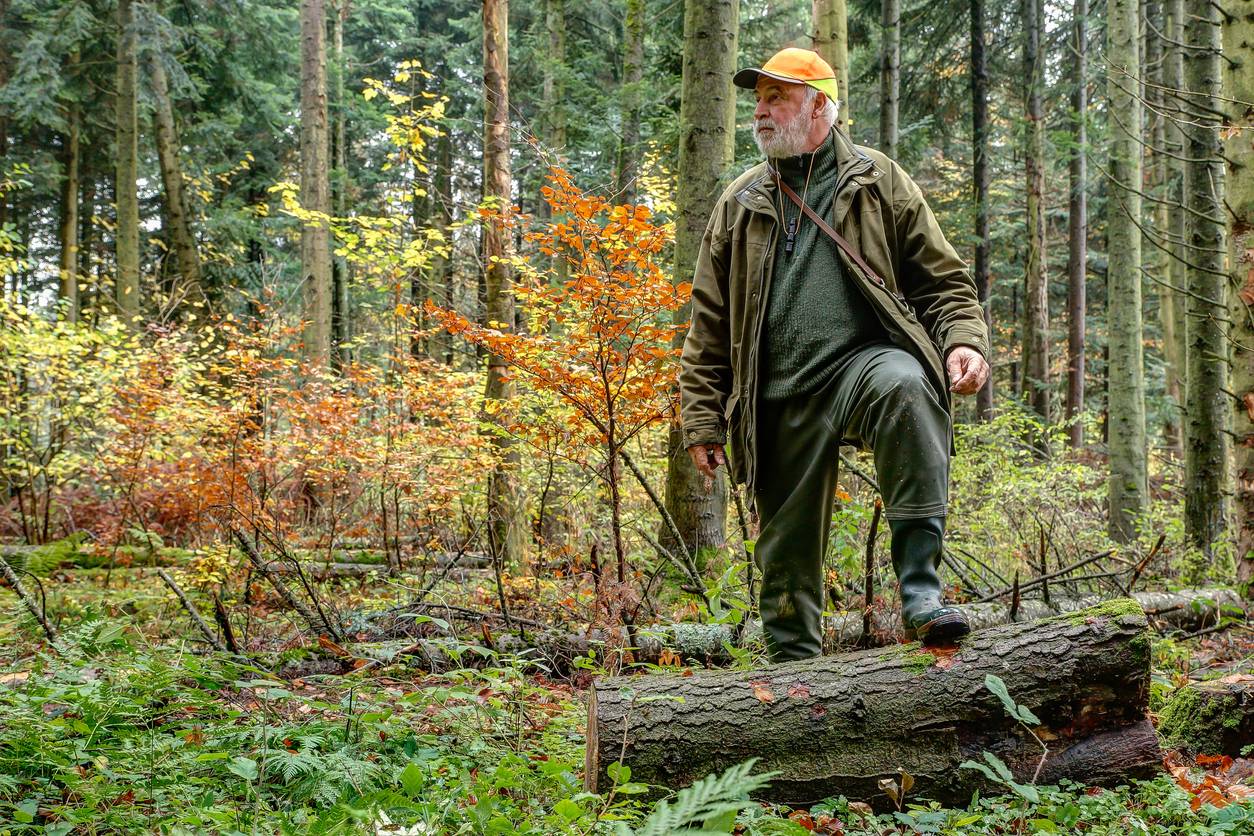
[824, 299]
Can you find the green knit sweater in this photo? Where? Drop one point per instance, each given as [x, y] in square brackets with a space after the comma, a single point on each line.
[815, 317]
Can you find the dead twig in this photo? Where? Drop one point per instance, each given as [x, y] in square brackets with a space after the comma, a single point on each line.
[213, 640]
[285, 592]
[1066, 570]
[1140, 567]
[40, 615]
[868, 575]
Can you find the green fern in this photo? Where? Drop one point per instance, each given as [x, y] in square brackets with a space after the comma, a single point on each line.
[708, 806]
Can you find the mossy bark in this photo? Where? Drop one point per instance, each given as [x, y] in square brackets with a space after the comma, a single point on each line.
[838, 724]
[1210, 718]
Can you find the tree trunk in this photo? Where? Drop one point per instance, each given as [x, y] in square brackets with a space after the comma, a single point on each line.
[315, 194]
[707, 129]
[1128, 491]
[126, 233]
[1238, 41]
[1078, 226]
[633, 74]
[554, 109]
[829, 19]
[1207, 406]
[177, 215]
[1156, 255]
[1210, 718]
[1036, 382]
[67, 286]
[340, 313]
[1177, 273]
[505, 523]
[890, 74]
[837, 725]
[88, 300]
[979, 174]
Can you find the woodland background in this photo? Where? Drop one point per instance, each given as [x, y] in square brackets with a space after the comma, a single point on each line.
[385, 296]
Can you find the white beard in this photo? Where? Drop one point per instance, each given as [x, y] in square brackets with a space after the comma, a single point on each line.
[787, 140]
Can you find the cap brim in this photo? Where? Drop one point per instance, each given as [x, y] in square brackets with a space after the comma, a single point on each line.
[748, 79]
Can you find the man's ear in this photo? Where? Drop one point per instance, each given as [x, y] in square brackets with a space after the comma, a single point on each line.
[820, 102]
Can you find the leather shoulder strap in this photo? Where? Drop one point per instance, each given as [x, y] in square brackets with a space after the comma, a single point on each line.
[827, 228]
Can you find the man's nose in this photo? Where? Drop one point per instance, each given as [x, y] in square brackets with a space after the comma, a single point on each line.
[761, 111]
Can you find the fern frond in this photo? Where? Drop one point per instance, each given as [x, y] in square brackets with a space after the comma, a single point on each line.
[694, 809]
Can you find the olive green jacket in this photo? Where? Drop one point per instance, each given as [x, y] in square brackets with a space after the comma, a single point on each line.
[923, 294]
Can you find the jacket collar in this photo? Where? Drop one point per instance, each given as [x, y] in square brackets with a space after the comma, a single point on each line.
[853, 164]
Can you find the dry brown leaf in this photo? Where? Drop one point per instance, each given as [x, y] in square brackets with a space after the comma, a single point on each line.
[762, 692]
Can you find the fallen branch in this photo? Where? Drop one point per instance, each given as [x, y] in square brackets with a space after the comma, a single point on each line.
[14, 581]
[318, 625]
[1043, 579]
[192, 611]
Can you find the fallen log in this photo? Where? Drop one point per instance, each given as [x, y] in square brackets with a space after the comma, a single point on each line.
[1215, 717]
[836, 725]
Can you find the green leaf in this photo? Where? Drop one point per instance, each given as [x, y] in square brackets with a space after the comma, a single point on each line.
[412, 780]
[245, 768]
[998, 764]
[568, 809]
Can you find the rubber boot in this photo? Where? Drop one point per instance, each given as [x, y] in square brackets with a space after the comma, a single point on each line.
[916, 550]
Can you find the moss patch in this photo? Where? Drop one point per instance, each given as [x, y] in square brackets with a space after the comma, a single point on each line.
[1197, 721]
[1117, 608]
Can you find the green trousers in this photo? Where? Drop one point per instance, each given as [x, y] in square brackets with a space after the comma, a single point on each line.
[880, 399]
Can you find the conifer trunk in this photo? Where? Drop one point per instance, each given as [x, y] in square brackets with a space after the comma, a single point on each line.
[126, 196]
[177, 216]
[67, 286]
[979, 176]
[1207, 410]
[315, 194]
[1177, 273]
[633, 73]
[1238, 41]
[341, 322]
[1128, 492]
[890, 74]
[505, 526]
[1036, 379]
[707, 132]
[1078, 225]
[830, 25]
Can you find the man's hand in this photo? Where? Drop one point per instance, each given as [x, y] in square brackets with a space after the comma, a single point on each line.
[707, 458]
[967, 370]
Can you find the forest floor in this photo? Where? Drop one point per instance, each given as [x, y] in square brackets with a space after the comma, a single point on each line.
[126, 724]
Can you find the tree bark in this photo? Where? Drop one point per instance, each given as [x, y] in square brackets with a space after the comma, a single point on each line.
[1128, 490]
[890, 74]
[1036, 378]
[830, 19]
[1207, 405]
[126, 234]
[1155, 249]
[554, 91]
[67, 285]
[1238, 41]
[633, 74]
[1078, 225]
[177, 215]
[707, 127]
[979, 176]
[1210, 718]
[506, 530]
[315, 188]
[837, 725]
[1176, 145]
[341, 322]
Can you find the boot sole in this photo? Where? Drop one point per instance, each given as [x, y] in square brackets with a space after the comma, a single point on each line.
[944, 629]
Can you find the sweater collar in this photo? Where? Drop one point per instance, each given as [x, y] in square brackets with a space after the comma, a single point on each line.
[823, 159]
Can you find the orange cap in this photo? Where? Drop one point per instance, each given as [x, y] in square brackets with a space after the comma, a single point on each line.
[799, 66]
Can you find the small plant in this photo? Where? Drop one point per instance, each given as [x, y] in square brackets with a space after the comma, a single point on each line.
[995, 769]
